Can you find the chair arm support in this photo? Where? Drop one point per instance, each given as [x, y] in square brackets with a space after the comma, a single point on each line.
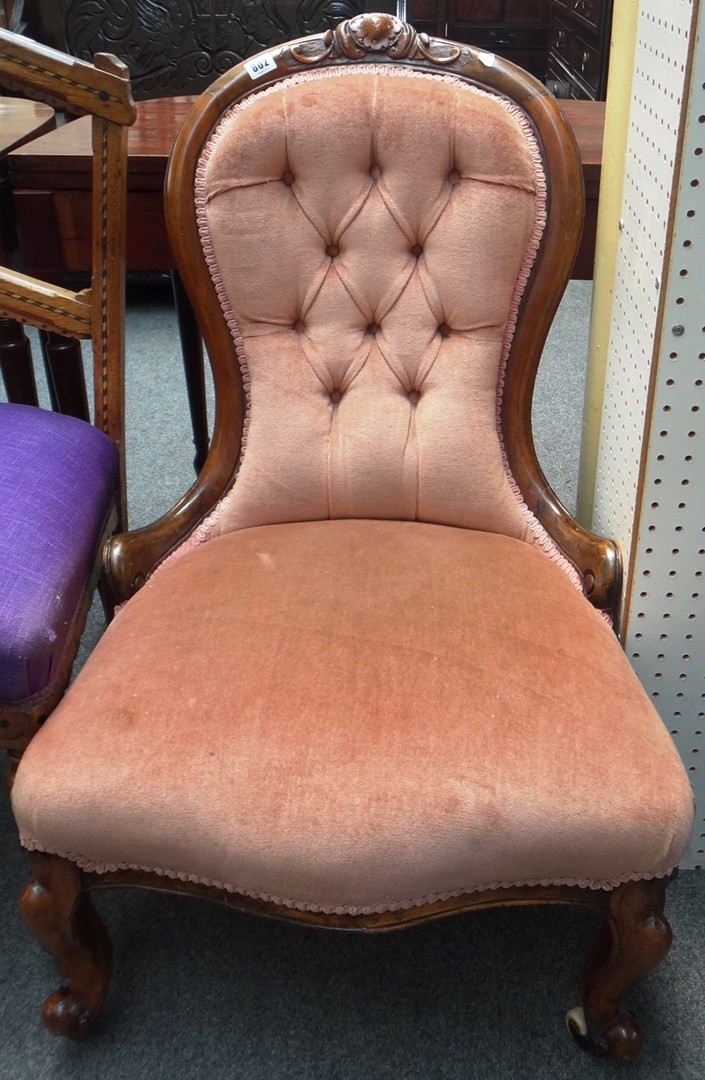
[105, 92]
[597, 559]
[130, 557]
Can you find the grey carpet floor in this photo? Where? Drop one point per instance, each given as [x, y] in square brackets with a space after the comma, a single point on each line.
[201, 992]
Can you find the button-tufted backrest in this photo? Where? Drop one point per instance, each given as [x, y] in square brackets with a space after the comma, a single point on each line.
[369, 231]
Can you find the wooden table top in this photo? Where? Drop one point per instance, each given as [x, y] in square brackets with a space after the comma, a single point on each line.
[62, 158]
[21, 120]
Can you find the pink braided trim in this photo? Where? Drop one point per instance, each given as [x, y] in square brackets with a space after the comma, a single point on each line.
[343, 909]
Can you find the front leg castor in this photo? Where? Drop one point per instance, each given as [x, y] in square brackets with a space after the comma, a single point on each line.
[621, 1039]
[59, 914]
[64, 1013]
[633, 939]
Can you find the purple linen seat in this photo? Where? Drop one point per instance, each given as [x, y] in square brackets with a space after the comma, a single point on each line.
[58, 478]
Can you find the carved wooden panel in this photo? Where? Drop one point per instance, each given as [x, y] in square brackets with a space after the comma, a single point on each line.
[180, 46]
[479, 11]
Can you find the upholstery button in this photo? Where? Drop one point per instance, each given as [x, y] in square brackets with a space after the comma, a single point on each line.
[414, 396]
[332, 250]
[416, 250]
[444, 329]
[298, 326]
[288, 178]
[454, 176]
[372, 328]
[375, 171]
[335, 396]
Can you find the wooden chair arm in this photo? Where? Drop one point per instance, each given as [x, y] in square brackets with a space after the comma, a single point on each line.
[101, 88]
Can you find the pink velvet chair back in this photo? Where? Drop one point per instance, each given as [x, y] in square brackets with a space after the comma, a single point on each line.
[380, 233]
[370, 232]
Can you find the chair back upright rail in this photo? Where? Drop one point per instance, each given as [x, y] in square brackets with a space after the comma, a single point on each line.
[97, 312]
[381, 40]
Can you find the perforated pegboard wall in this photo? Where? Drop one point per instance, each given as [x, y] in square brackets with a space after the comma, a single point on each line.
[650, 490]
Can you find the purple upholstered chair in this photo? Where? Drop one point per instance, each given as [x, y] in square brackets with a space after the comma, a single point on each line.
[61, 479]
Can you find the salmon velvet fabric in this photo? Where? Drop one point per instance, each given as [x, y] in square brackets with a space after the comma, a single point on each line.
[388, 219]
[356, 716]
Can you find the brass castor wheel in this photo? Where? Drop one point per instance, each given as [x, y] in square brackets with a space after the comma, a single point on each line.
[620, 1039]
[577, 1026]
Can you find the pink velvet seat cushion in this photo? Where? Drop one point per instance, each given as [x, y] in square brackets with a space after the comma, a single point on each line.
[358, 715]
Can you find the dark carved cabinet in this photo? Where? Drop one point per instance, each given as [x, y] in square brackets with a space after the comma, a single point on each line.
[514, 29]
[579, 49]
[181, 46]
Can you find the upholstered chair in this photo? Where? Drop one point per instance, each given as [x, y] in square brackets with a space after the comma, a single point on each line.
[365, 672]
[61, 479]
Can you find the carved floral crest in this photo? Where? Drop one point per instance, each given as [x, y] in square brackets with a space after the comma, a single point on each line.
[374, 34]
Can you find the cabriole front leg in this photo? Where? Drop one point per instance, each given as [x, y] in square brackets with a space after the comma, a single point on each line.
[60, 915]
[634, 938]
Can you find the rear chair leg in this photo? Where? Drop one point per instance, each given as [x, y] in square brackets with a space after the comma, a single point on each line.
[60, 915]
[634, 938]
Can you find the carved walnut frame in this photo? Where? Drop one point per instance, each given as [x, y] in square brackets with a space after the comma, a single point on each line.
[635, 935]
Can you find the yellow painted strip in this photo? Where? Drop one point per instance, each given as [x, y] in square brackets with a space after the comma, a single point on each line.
[619, 94]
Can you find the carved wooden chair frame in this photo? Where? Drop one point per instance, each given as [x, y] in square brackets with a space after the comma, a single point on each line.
[634, 936]
[96, 313]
